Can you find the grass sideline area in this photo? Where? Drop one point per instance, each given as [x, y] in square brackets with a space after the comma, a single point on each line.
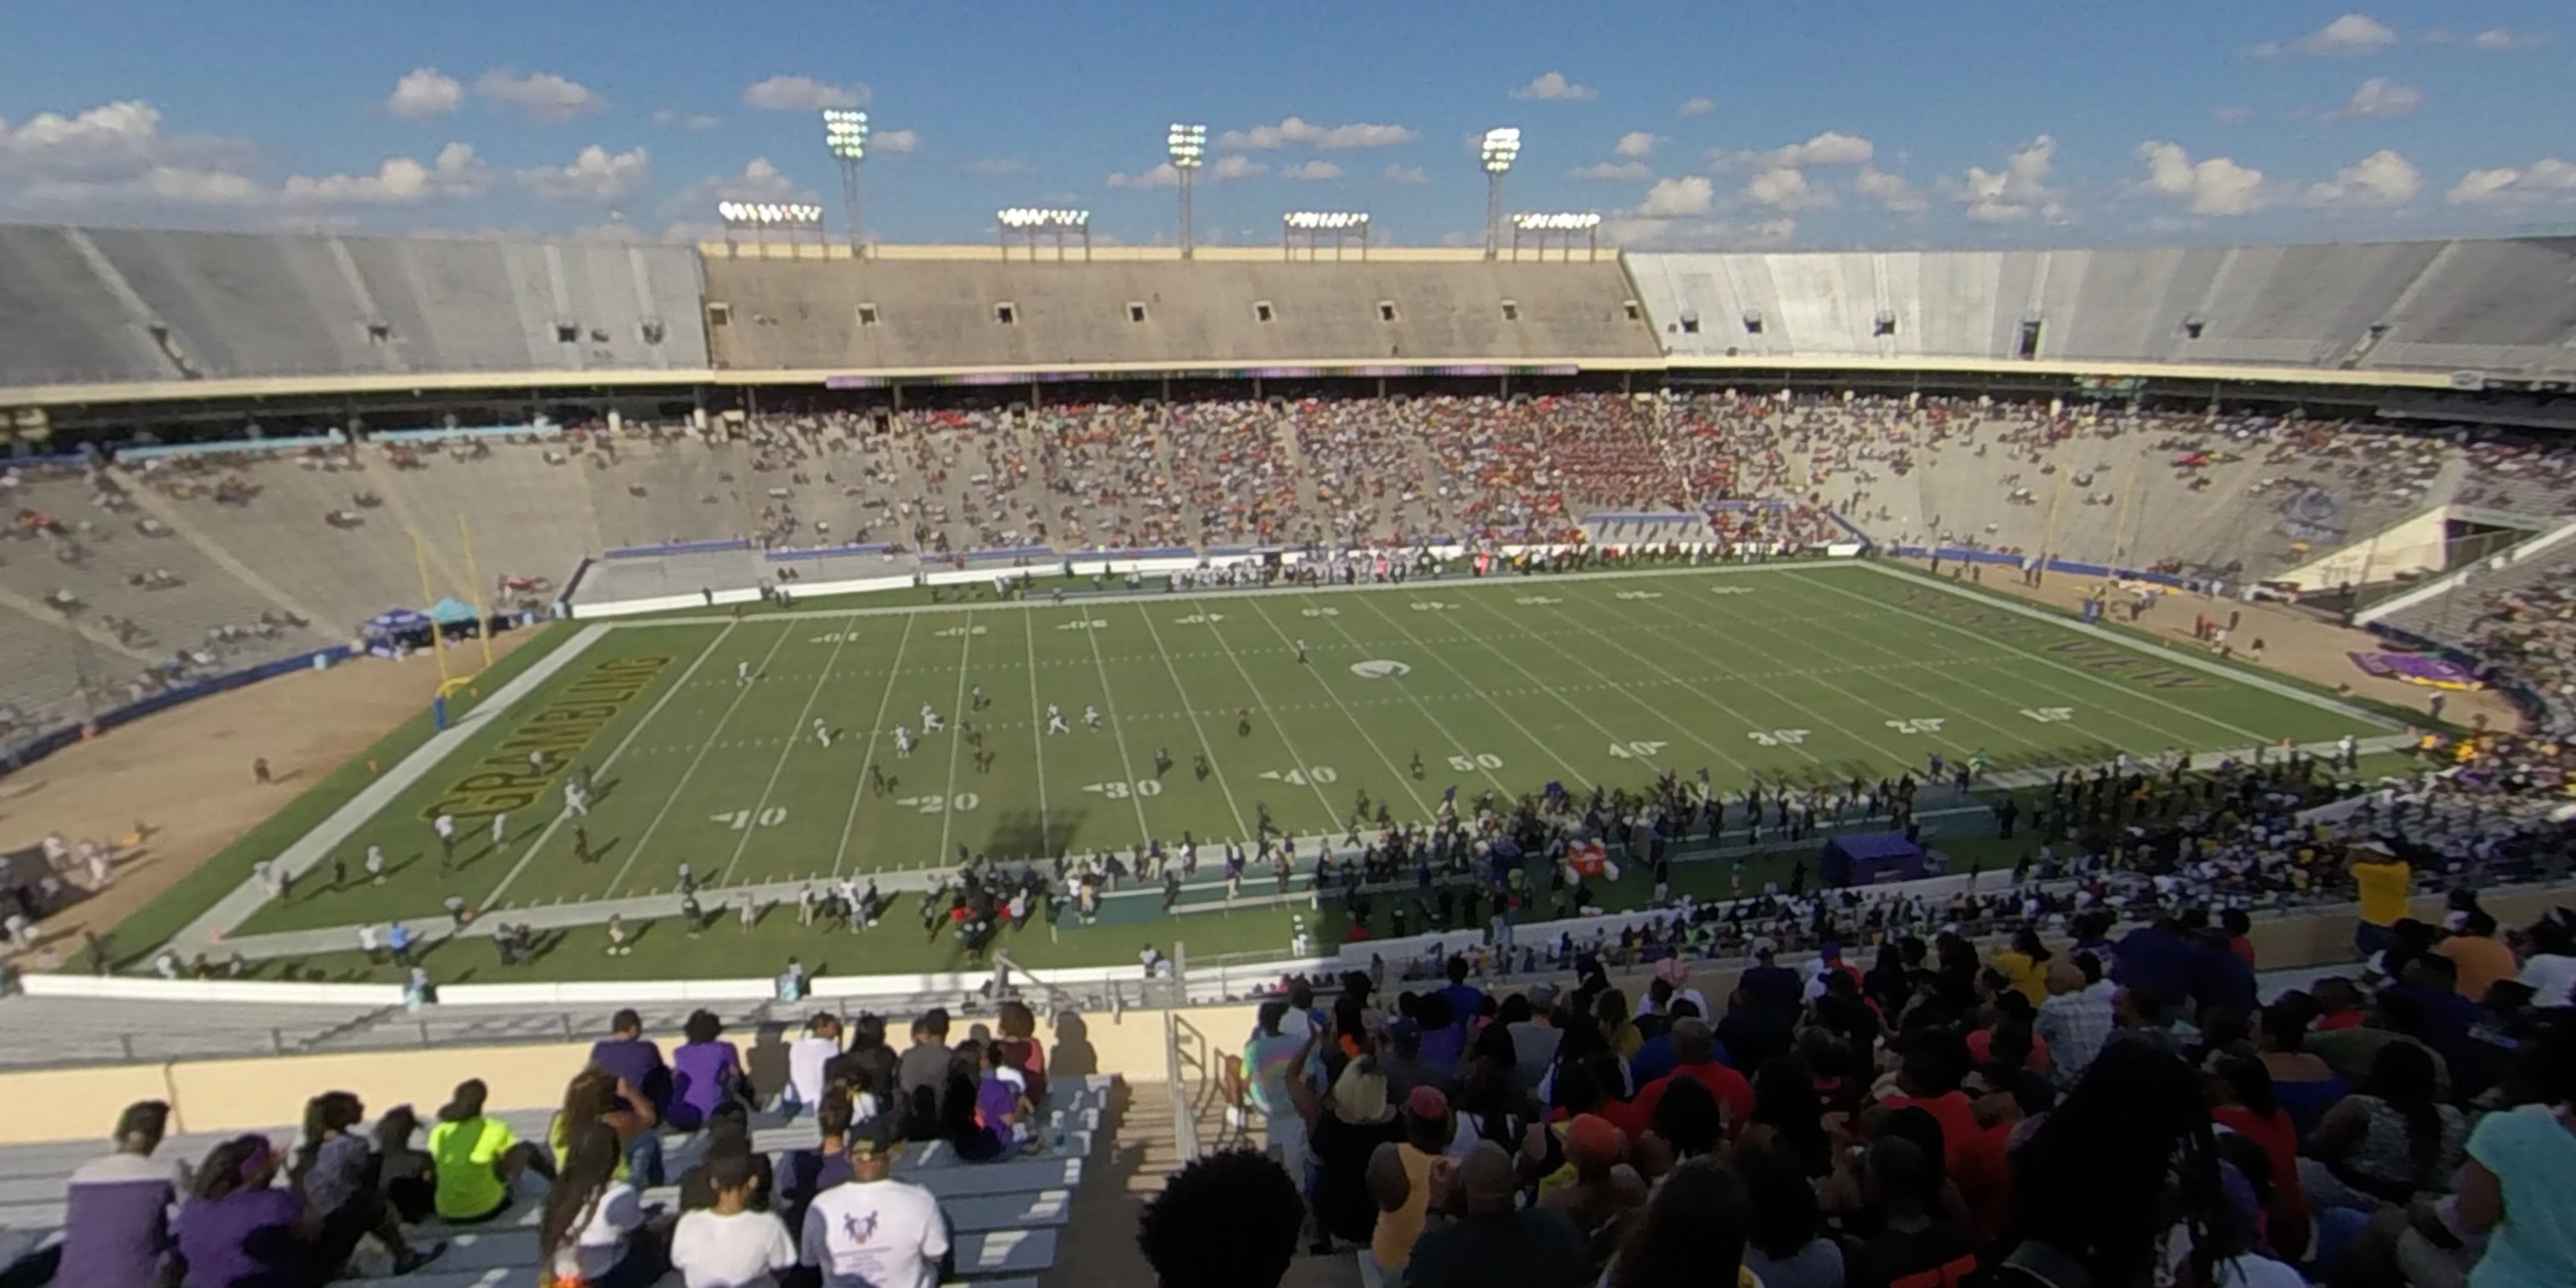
[1798, 672]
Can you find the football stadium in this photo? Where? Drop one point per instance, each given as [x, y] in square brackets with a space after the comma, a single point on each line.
[1397, 751]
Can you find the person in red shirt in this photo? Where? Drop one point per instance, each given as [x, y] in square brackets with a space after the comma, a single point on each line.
[1695, 1058]
[1928, 1078]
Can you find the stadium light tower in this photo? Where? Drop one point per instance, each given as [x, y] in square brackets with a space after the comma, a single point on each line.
[1568, 223]
[1033, 221]
[1316, 223]
[1188, 145]
[1502, 147]
[758, 217]
[845, 132]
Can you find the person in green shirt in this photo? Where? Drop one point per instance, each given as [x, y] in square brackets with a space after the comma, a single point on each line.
[478, 1159]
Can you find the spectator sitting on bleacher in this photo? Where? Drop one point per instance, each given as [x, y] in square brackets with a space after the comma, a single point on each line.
[991, 1128]
[627, 1053]
[728, 1136]
[1019, 1027]
[705, 1071]
[1227, 1220]
[239, 1228]
[804, 1173]
[808, 1059]
[595, 1231]
[876, 1231]
[116, 1213]
[734, 1241]
[337, 1171]
[921, 1076]
[867, 1069]
[478, 1159]
[403, 1173]
[597, 1096]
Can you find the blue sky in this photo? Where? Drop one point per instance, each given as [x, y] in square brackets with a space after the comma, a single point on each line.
[1796, 124]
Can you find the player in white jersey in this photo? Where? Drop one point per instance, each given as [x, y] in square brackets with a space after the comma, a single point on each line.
[822, 732]
[930, 719]
[1301, 651]
[902, 742]
[576, 801]
[375, 865]
[1091, 717]
[742, 671]
[500, 829]
[1055, 719]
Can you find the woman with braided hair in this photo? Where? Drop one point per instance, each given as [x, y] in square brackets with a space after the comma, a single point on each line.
[2125, 1166]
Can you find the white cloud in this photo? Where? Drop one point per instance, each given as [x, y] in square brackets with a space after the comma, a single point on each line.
[2231, 115]
[1161, 176]
[785, 93]
[596, 175]
[1697, 106]
[117, 154]
[1890, 191]
[2381, 97]
[2384, 179]
[2349, 35]
[894, 142]
[539, 96]
[1636, 145]
[1636, 232]
[1786, 189]
[2018, 191]
[2516, 185]
[1294, 132]
[160, 184]
[2212, 186]
[1554, 85]
[1397, 172]
[1673, 198]
[1236, 167]
[760, 180]
[990, 167]
[2498, 38]
[673, 119]
[1833, 147]
[1615, 171]
[424, 92]
[456, 173]
[1312, 171]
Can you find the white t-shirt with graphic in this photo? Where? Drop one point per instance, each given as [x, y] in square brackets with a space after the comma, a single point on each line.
[875, 1234]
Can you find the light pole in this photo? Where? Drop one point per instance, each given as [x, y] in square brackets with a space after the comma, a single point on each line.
[845, 132]
[1032, 220]
[1316, 223]
[1188, 146]
[1502, 147]
[1569, 223]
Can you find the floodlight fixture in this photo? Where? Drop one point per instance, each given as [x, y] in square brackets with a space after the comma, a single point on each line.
[1187, 145]
[1565, 224]
[845, 136]
[1319, 224]
[770, 212]
[1502, 146]
[1034, 220]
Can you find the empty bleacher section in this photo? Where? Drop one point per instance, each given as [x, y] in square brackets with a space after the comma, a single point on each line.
[904, 315]
[2493, 306]
[107, 305]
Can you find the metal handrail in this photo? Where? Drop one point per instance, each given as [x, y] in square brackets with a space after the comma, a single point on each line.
[1185, 1126]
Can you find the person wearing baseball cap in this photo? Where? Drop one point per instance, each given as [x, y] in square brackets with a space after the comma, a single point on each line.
[1403, 1177]
[875, 1230]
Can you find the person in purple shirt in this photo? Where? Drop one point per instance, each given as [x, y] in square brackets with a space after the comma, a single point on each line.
[1444, 1032]
[627, 1053]
[706, 1069]
[241, 1231]
[2157, 958]
[1464, 998]
[116, 1214]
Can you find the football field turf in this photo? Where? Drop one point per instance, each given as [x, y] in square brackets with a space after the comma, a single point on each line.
[1806, 672]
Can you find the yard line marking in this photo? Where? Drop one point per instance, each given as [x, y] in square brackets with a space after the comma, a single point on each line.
[1037, 731]
[1586, 716]
[1402, 779]
[1109, 701]
[1272, 715]
[794, 735]
[493, 898]
[677, 789]
[1545, 747]
[2055, 665]
[956, 712]
[1206, 750]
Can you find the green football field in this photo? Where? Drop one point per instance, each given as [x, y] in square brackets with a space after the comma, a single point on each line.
[1808, 672]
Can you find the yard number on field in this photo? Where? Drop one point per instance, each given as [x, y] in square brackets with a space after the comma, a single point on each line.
[1430, 606]
[1779, 737]
[1085, 624]
[957, 632]
[1202, 619]
[1319, 774]
[1915, 726]
[1637, 750]
[1537, 601]
[741, 820]
[2049, 715]
[1320, 612]
[835, 637]
[1122, 791]
[1470, 764]
[1641, 594]
[1730, 590]
[961, 803]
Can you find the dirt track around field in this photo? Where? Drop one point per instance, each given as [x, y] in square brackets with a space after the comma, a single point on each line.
[2295, 643]
[185, 776]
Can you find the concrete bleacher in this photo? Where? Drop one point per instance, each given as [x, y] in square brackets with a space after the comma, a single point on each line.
[898, 314]
[80, 1031]
[1005, 1215]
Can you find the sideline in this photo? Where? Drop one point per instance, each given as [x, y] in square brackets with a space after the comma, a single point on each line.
[2181, 658]
[308, 851]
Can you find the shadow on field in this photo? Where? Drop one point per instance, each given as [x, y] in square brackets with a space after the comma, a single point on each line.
[1024, 834]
